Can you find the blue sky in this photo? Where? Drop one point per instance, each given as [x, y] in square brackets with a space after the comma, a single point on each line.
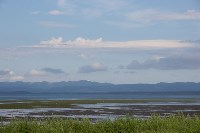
[117, 41]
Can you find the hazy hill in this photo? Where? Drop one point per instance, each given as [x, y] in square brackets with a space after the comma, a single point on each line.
[88, 86]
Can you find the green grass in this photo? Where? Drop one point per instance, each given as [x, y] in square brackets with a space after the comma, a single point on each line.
[155, 124]
[28, 104]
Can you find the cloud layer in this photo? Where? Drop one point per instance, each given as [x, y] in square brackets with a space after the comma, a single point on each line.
[45, 71]
[9, 75]
[129, 14]
[53, 24]
[168, 63]
[96, 67]
[149, 17]
[152, 15]
[53, 70]
[99, 43]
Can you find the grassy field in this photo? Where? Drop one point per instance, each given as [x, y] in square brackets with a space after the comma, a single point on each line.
[155, 124]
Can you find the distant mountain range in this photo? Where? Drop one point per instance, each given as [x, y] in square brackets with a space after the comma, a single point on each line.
[84, 86]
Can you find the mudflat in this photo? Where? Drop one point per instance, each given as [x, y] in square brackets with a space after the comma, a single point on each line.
[97, 109]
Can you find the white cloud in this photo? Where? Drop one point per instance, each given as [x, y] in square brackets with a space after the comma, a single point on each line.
[84, 56]
[56, 12]
[96, 67]
[122, 8]
[17, 78]
[9, 75]
[77, 43]
[189, 15]
[53, 24]
[82, 42]
[99, 43]
[61, 3]
[152, 15]
[148, 17]
[173, 62]
[37, 73]
[35, 12]
[45, 72]
[127, 24]
[91, 8]
[53, 41]
[113, 4]
[6, 72]
[91, 13]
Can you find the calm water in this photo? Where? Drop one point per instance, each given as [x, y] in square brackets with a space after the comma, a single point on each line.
[99, 95]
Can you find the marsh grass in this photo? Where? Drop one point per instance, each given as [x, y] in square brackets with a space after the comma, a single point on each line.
[156, 124]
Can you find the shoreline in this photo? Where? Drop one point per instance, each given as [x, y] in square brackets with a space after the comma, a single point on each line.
[97, 109]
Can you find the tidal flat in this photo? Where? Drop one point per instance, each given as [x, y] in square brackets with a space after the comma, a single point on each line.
[97, 109]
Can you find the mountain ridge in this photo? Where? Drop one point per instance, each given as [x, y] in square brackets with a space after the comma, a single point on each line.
[90, 86]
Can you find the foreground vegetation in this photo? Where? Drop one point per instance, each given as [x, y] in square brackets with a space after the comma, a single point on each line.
[155, 124]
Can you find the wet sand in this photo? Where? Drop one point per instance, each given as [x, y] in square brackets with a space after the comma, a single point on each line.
[102, 110]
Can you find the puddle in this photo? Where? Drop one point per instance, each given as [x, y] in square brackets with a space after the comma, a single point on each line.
[102, 116]
[14, 102]
[142, 116]
[104, 110]
[119, 105]
[188, 110]
[26, 112]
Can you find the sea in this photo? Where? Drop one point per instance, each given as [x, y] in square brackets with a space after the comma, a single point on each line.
[100, 95]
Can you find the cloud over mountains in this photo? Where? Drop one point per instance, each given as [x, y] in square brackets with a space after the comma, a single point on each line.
[96, 67]
[45, 71]
[9, 75]
[168, 63]
[53, 70]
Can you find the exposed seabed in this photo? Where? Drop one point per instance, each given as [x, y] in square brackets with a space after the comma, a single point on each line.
[98, 109]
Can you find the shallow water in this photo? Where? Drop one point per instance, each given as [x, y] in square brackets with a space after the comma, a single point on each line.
[26, 112]
[96, 95]
[105, 110]
[110, 105]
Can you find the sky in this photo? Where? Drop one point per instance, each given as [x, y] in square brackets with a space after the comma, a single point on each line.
[115, 41]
